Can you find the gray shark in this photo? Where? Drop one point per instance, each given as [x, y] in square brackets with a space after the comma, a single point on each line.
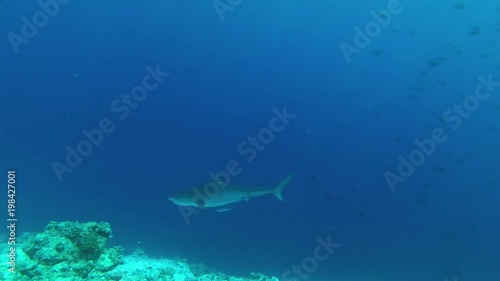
[225, 195]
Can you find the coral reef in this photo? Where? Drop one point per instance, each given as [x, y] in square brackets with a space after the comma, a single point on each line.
[73, 251]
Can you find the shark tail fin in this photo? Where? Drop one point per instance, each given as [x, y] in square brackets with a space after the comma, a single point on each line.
[277, 191]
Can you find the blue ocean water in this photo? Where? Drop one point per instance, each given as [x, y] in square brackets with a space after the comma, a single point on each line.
[394, 139]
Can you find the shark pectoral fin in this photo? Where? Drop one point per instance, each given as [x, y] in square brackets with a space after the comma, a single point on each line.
[223, 210]
[200, 203]
[246, 198]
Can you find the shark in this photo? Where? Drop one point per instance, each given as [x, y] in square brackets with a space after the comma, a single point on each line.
[225, 195]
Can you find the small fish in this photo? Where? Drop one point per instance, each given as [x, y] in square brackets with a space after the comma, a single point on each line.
[467, 194]
[449, 237]
[382, 15]
[423, 201]
[475, 30]
[440, 169]
[327, 196]
[433, 63]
